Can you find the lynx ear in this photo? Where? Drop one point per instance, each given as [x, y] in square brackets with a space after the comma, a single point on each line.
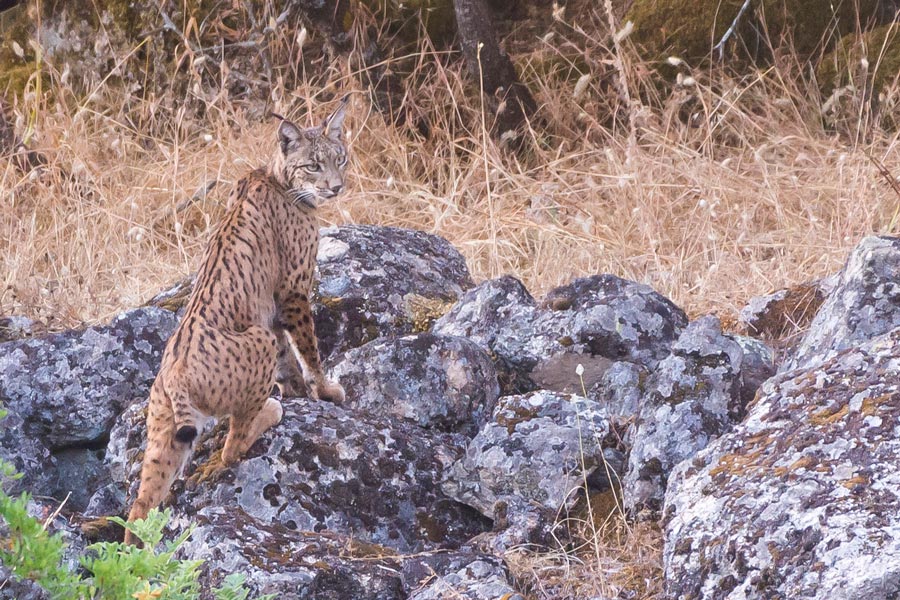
[332, 125]
[289, 136]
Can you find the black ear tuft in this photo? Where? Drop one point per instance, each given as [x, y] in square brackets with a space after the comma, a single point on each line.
[288, 136]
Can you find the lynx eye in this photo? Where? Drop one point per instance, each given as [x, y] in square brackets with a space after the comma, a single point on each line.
[342, 161]
[312, 168]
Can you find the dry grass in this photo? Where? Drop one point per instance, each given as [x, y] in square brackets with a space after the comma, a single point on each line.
[722, 190]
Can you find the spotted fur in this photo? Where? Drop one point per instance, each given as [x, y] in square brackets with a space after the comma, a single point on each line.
[248, 323]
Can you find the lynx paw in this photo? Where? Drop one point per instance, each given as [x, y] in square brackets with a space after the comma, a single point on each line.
[330, 391]
[211, 470]
[292, 387]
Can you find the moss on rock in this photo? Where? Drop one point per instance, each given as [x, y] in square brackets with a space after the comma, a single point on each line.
[843, 65]
[690, 30]
[437, 16]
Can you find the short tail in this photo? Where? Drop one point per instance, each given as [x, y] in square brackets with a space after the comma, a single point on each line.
[185, 417]
[167, 450]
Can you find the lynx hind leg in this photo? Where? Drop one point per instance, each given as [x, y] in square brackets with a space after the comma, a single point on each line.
[163, 459]
[245, 395]
[245, 429]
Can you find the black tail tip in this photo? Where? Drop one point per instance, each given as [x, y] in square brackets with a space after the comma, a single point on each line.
[186, 434]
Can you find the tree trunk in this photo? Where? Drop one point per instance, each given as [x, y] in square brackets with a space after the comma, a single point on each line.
[506, 96]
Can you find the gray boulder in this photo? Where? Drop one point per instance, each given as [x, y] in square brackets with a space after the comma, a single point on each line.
[63, 393]
[20, 589]
[78, 474]
[801, 499]
[692, 397]
[864, 303]
[328, 566]
[757, 366]
[68, 388]
[620, 389]
[593, 322]
[324, 468]
[435, 381]
[529, 458]
[291, 564]
[458, 576]
[31, 459]
[378, 281]
[16, 327]
[781, 314]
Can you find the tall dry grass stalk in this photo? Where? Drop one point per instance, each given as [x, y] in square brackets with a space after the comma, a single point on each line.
[729, 187]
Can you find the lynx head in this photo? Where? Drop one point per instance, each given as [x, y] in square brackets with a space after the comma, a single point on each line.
[310, 162]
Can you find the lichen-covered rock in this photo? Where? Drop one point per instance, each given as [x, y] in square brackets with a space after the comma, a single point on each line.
[31, 459]
[295, 564]
[68, 388]
[865, 303]
[377, 281]
[19, 589]
[372, 282]
[593, 321]
[620, 389]
[459, 576]
[78, 474]
[533, 453]
[106, 501]
[291, 564]
[757, 365]
[692, 397]
[15, 328]
[326, 468]
[480, 316]
[799, 500]
[435, 381]
[785, 312]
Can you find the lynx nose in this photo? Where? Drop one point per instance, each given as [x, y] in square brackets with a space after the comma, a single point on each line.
[336, 189]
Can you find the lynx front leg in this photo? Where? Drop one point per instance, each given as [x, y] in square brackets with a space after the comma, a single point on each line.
[300, 336]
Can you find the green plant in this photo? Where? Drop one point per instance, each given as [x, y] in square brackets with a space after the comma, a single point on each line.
[116, 570]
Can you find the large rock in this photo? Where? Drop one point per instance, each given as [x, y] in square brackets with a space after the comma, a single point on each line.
[435, 381]
[63, 393]
[20, 589]
[593, 322]
[291, 564]
[458, 576]
[68, 388]
[620, 390]
[865, 303]
[16, 327]
[372, 282]
[802, 499]
[31, 459]
[693, 396]
[306, 565]
[377, 281]
[533, 453]
[324, 468]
